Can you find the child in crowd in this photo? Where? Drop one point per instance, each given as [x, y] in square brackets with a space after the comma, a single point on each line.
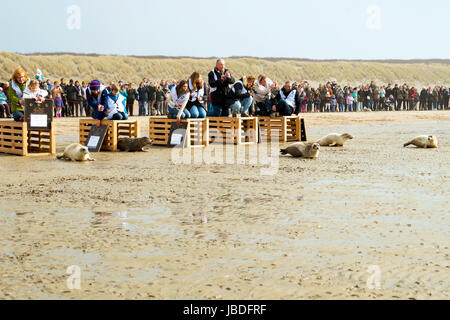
[350, 101]
[4, 107]
[333, 103]
[303, 101]
[57, 98]
[160, 98]
[115, 105]
[327, 102]
[355, 100]
[34, 92]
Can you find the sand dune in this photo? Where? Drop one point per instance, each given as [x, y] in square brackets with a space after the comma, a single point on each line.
[109, 68]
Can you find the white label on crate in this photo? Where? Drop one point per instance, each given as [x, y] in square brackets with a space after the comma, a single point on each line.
[38, 120]
[176, 139]
[93, 142]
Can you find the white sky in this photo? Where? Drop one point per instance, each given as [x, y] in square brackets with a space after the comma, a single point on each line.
[325, 29]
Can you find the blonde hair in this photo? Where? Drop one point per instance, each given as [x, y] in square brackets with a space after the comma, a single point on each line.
[18, 72]
[33, 84]
[114, 87]
[261, 77]
[248, 79]
[195, 80]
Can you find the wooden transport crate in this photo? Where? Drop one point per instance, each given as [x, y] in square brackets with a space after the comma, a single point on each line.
[197, 131]
[116, 129]
[283, 129]
[16, 138]
[239, 131]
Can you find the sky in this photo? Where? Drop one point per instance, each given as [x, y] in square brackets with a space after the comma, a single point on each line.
[325, 29]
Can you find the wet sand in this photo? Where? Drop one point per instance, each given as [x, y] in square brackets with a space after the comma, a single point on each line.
[141, 227]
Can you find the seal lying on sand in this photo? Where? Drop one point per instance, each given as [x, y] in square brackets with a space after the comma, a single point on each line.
[334, 139]
[76, 152]
[302, 150]
[134, 144]
[423, 142]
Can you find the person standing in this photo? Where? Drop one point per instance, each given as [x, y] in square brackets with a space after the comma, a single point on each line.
[435, 98]
[395, 93]
[63, 86]
[350, 101]
[57, 99]
[160, 100]
[71, 92]
[152, 110]
[84, 99]
[132, 93]
[143, 99]
[220, 80]
[423, 99]
[78, 100]
[445, 97]
[355, 100]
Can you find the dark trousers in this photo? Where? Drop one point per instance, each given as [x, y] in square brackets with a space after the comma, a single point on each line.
[18, 116]
[284, 109]
[130, 104]
[5, 110]
[76, 111]
[422, 105]
[65, 111]
[160, 107]
[225, 112]
[151, 107]
[264, 108]
[87, 110]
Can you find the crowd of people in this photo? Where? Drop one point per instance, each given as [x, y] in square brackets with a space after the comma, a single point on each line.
[220, 95]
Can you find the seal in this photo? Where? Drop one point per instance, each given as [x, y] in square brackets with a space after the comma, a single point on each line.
[423, 142]
[334, 139]
[76, 152]
[302, 150]
[134, 144]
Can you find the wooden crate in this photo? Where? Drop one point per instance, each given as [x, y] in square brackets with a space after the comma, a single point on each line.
[239, 131]
[272, 129]
[283, 129]
[116, 130]
[197, 131]
[16, 138]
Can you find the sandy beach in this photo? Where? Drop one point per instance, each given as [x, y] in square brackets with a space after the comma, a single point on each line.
[141, 227]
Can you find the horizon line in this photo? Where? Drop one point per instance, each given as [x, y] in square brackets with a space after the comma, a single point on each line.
[413, 60]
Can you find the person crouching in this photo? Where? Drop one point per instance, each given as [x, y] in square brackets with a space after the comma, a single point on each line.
[115, 105]
[178, 99]
[240, 97]
[287, 101]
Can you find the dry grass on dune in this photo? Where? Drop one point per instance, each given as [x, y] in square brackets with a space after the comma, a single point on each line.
[109, 68]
